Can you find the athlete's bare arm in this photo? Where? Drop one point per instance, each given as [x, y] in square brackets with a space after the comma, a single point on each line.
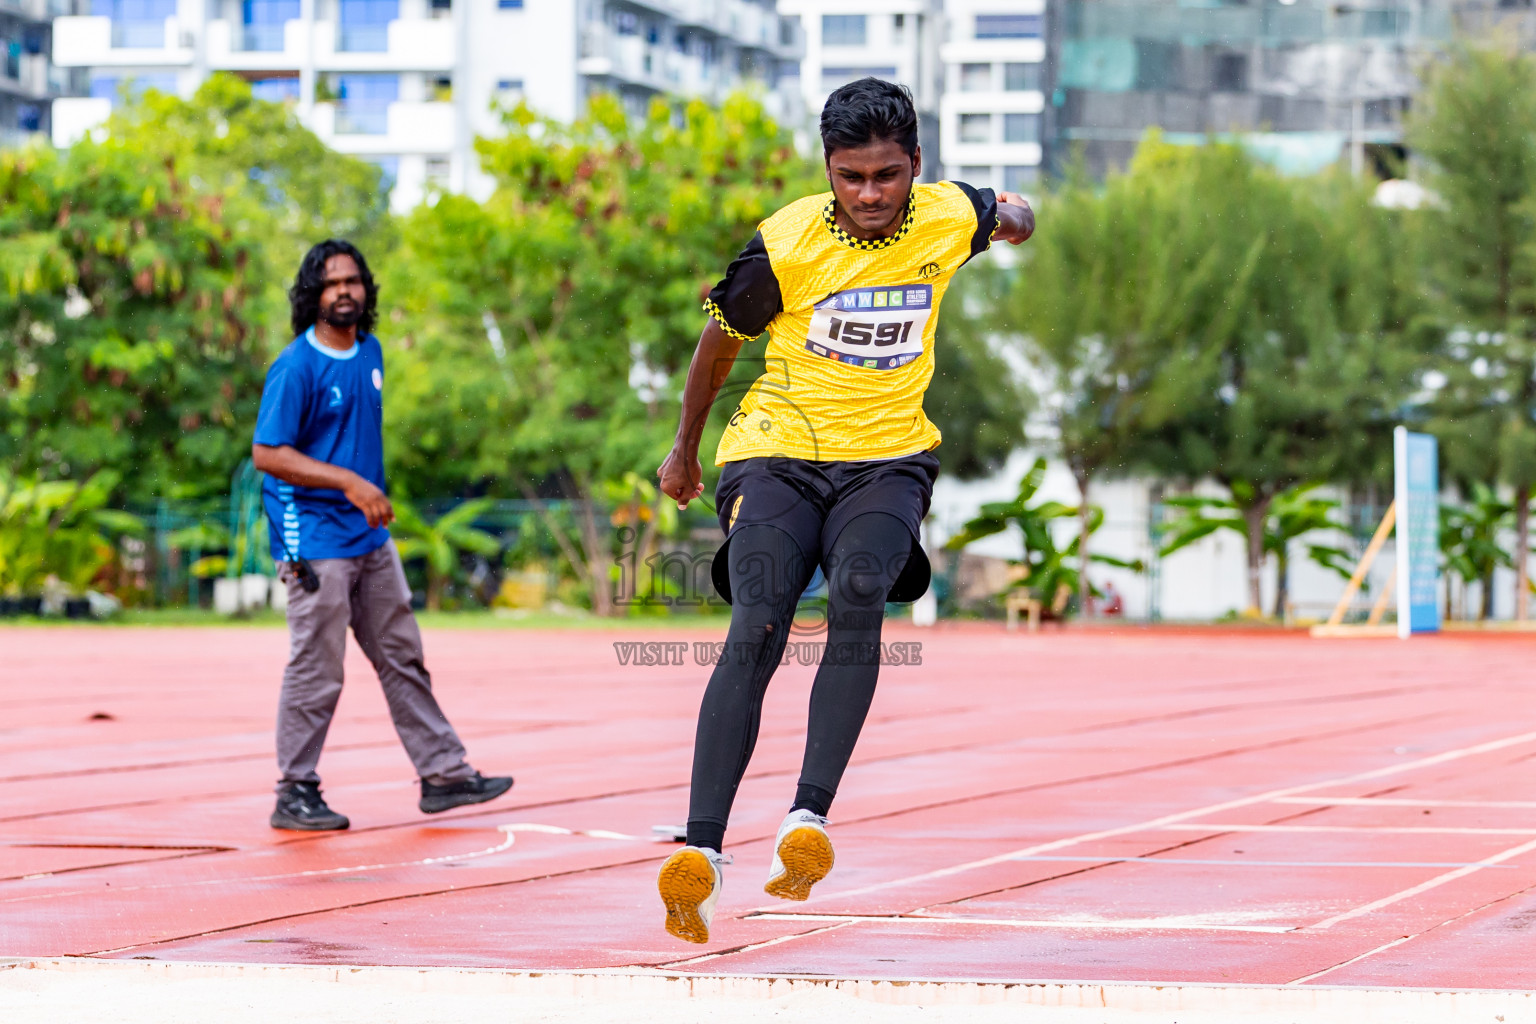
[293, 466]
[682, 477]
[1016, 221]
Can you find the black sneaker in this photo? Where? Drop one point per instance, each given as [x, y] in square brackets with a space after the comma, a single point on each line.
[301, 807]
[474, 790]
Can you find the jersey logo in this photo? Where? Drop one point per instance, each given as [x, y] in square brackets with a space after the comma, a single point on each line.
[335, 396]
[872, 328]
[931, 270]
[735, 510]
[378, 379]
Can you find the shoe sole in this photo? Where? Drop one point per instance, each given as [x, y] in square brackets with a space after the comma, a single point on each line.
[687, 879]
[296, 825]
[439, 804]
[806, 854]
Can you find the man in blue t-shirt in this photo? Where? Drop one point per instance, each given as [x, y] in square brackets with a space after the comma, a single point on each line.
[319, 438]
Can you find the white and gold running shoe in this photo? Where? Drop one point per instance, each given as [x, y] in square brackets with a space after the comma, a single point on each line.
[689, 884]
[802, 856]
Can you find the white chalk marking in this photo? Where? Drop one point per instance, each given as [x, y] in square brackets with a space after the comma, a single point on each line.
[1200, 812]
[1433, 883]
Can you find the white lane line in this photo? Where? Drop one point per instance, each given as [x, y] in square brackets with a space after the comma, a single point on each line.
[1176, 924]
[510, 831]
[1199, 812]
[1352, 960]
[1392, 801]
[753, 946]
[1242, 863]
[1201, 826]
[1433, 883]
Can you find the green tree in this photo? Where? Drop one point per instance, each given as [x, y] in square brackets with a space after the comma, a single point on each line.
[126, 333]
[976, 398]
[1277, 356]
[1294, 513]
[565, 308]
[58, 528]
[1475, 126]
[439, 542]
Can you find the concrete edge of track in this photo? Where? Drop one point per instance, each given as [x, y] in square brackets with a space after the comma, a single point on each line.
[1354, 1005]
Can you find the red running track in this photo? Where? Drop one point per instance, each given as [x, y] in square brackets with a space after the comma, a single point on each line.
[1125, 805]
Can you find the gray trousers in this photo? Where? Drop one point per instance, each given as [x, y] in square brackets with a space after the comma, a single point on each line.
[369, 593]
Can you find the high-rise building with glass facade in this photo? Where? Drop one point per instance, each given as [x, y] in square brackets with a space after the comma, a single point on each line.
[1303, 83]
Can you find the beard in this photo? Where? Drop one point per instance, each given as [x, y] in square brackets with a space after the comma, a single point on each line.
[346, 317]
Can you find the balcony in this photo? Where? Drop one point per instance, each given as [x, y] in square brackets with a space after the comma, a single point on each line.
[101, 42]
[73, 116]
[406, 44]
[629, 58]
[392, 128]
[236, 47]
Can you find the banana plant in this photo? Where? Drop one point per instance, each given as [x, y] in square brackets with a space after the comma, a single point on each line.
[1469, 540]
[1051, 573]
[59, 528]
[439, 543]
[1294, 513]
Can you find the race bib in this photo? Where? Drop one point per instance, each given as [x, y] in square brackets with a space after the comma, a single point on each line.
[872, 328]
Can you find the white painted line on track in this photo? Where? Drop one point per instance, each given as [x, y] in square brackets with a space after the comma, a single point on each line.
[1428, 830]
[1200, 812]
[1422, 887]
[1393, 801]
[1177, 924]
[1240, 863]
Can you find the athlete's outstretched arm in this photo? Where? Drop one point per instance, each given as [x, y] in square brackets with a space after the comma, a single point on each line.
[682, 478]
[1016, 221]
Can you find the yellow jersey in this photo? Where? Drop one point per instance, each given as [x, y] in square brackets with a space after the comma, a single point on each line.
[850, 325]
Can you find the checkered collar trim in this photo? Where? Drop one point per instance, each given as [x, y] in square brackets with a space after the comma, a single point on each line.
[829, 215]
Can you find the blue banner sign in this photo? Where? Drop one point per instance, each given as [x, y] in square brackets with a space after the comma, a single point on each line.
[1416, 478]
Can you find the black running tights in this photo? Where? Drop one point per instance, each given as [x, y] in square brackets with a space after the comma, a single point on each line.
[768, 575]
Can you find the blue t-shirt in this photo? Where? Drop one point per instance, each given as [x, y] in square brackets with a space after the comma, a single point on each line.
[330, 406]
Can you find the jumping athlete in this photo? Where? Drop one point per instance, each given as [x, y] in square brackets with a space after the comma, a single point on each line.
[827, 461]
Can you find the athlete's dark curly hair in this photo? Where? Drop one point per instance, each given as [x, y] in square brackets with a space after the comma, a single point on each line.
[304, 296]
[864, 111]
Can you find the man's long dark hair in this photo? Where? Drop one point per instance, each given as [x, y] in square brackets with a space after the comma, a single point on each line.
[304, 296]
[866, 111]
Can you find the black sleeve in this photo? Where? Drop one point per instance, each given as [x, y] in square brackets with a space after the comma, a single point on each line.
[748, 297]
[984, 200]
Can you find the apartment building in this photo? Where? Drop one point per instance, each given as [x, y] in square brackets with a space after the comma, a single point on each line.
[28, 80]
[992, 112]
[1303, 82]
[844, 40]
[409, 84]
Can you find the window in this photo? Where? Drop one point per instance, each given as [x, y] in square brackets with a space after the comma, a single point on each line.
[898, 27]
[843, 29]
[510, 5]
[509, 85]
[11, 52]
[29, 117]
[109, 87]
[365, 25]
[275, 90]
[262, 23]
[362, 103]
[440, 9]
[1021, 127]
[975, 77]
[442, 89]
[1023, 77]
[1020, 178]
[789, 30]
[1008, 26]
[1229, 73]
[136, 24]
[977, 176]
[836, 78]
[975, 127]
[626, 24]
[437, 168]
[389, 170]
